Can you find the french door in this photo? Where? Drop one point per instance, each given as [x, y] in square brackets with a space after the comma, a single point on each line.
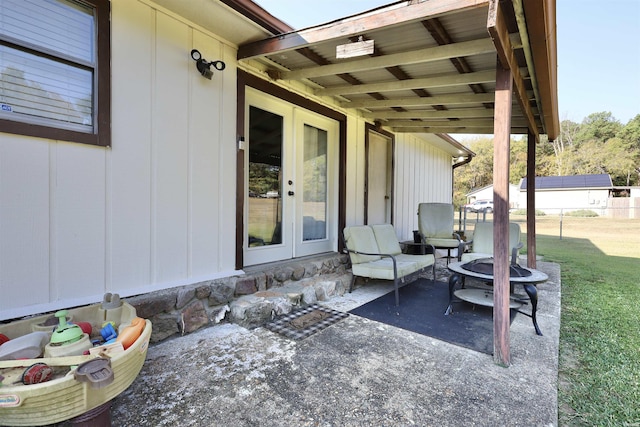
[291, 177]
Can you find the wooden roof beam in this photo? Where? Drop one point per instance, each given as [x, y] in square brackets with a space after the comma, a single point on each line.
[460, 129]
[428, 82]
[421, 102]
[487, 122]
[497, 28]
[388, 16]
[427, 114]
[431, 54]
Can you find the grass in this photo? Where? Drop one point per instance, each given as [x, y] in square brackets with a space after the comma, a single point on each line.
[599, 368]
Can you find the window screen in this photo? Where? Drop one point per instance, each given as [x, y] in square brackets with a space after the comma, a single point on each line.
[48, 63]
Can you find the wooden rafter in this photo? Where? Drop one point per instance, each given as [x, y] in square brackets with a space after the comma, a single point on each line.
[442, 37]
[499, 33]
[392, 15]
[426, 114]
[318, 59]
[420, 56]
[457, 99]
[407, 84]
[460, 129]
[486, 123]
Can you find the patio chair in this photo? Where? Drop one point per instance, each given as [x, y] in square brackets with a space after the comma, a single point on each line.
[435, 225]
[481, 246]
[375, 253]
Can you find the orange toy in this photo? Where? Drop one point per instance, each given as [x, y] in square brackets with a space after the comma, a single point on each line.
[130, 334]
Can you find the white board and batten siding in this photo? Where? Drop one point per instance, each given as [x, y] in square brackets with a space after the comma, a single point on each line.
[422, 174]
[157, 209]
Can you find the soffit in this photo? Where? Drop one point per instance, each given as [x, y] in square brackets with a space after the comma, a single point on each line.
[434, 65]
[220, 19]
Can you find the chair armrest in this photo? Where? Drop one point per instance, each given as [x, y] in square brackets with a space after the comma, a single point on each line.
[429, 249]
[457, 237]
[393, 259]
[514, 253]
[462, 247]
[347, 250]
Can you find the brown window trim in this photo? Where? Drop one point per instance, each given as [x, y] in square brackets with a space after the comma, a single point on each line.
[246, 79]
[102, 91]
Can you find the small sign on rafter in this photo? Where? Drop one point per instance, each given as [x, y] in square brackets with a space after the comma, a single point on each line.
[359, 48]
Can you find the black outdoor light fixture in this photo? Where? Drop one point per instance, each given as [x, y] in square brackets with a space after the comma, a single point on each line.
[203, 66]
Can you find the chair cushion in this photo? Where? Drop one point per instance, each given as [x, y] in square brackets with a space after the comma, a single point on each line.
[483, 238]
[443, 243]
[422, 261]
[387, 240]
[361, 238]
[435, 220]
[383, 269]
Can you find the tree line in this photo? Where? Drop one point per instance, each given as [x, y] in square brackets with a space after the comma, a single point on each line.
[600, 144]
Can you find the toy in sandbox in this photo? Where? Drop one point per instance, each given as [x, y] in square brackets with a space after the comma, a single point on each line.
[62, 367]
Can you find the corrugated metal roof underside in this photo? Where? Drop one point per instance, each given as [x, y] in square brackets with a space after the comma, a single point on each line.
[449, 58]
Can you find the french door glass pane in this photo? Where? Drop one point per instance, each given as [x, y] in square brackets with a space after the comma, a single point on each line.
[265, 177]
[314, 205]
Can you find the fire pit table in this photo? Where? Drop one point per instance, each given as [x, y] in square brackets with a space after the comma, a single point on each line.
[482, 269]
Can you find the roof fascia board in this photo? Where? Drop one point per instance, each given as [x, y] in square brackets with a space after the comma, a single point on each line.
[392, 15]
[541, 24]
[260, 16]
[497, 27]
[456, 144]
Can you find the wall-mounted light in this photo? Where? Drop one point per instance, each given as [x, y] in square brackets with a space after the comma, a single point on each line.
[203, 66]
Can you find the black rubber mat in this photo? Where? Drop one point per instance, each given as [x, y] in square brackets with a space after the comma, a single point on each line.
[421, 310]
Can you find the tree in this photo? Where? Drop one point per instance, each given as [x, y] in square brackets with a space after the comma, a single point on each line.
[630, 139]
[598, 126]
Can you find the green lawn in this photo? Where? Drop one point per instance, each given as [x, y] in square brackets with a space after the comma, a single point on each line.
[600, 324]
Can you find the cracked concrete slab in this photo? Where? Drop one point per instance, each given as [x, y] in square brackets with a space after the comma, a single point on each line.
[356, 372]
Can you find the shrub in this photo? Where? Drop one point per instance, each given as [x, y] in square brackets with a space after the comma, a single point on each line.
[585, 213]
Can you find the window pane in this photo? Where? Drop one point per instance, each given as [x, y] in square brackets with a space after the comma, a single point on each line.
[265, 178]
[36, 89]
[314, 207]
[64, 27]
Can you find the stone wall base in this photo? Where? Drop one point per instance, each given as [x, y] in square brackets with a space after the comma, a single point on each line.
[249, 300]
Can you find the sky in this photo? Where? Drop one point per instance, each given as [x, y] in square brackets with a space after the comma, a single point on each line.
[598, 49]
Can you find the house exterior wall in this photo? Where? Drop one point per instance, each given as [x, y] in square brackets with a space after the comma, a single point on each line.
[486, 193]
[157, 210]
[423, 174]
[553, 202]
[154, 211]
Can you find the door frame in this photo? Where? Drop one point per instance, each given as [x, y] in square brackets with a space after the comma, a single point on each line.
[246, 79]
[369, 128]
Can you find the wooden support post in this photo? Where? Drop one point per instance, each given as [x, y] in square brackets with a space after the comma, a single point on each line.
[531, 199]
[501, 147]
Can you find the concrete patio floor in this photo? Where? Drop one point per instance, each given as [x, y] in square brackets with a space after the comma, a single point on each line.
[357, 372]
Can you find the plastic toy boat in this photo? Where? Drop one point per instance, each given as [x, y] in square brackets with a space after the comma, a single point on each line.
[79, 383]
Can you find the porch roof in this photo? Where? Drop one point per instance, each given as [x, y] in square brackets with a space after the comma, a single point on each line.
[433, 66]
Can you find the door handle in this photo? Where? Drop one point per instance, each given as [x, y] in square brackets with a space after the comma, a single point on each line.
[291, 193]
